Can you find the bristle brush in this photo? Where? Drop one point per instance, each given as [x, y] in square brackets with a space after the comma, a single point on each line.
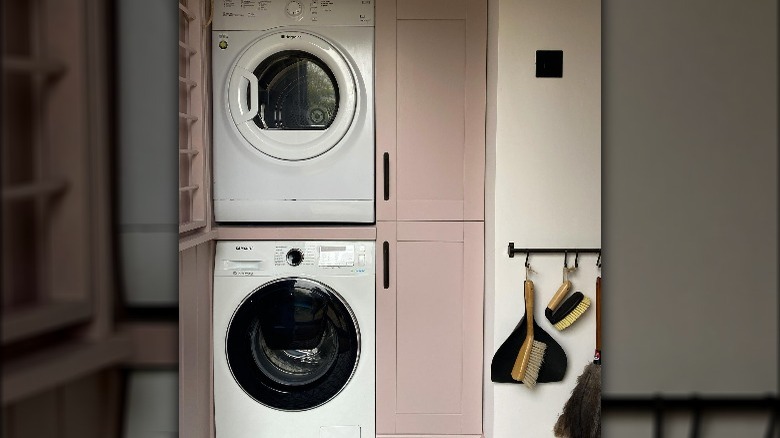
[562, 315]
[531, 355]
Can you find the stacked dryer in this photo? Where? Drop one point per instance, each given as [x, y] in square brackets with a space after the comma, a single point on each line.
[293, 142]
[293, 111]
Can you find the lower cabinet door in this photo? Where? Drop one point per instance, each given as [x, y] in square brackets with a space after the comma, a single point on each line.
[429, 327]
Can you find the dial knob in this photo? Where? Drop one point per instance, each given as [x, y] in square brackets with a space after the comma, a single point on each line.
[294, 257]
[294, 8]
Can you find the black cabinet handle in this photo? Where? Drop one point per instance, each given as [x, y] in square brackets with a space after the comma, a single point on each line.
[387, 175]
[386, 264]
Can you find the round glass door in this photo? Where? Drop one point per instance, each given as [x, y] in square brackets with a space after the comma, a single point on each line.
[292, 95]
[297, 92]
[293, 344]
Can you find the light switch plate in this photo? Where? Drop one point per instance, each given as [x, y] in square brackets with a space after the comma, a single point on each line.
[549, 63]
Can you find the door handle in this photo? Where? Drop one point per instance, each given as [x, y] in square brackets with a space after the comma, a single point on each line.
[386, 166]
[243, 83]
[386, 265]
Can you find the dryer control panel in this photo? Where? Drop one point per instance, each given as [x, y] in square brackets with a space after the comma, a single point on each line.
[316, 258]
[268, 14]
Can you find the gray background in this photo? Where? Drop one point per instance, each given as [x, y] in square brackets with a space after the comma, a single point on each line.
[690, 207]
[147, 158]
[690, 196]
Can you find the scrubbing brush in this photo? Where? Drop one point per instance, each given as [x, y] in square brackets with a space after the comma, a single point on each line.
[531, 355]
[563, 315]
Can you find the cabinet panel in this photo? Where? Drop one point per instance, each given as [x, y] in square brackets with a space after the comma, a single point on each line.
[430, 301]
[385, 327]
[429, 326]
[431, 9]
[431, 118]
[430, 106]
[385, 104]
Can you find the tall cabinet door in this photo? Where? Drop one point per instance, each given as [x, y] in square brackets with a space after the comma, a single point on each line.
[430, 109]
[429, 328]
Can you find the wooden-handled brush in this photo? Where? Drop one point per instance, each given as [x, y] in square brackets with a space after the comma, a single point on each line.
[563, 315]
[568, 312]
[531, 355]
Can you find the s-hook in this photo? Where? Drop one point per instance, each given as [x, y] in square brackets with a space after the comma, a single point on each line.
[528, 269]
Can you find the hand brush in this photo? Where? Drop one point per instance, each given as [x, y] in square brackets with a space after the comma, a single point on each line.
[563, 315]
[531, 355]
[581, 416]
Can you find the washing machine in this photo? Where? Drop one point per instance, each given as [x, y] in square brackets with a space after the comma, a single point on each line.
[294, 339]
[293, 111]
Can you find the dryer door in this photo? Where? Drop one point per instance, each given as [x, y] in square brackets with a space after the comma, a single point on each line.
[292, 95]
[293, 344]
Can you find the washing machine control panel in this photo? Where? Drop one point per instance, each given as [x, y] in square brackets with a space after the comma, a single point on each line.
[268, 14]
[264, 258]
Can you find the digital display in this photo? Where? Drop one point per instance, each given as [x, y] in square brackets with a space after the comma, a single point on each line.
[333, 248]
[337, 256]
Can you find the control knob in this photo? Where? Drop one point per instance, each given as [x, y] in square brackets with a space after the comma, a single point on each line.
[294, 257]
[294, 8]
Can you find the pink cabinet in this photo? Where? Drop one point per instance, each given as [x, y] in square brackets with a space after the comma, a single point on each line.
[430, 109]
[429, 328]
[430, 134]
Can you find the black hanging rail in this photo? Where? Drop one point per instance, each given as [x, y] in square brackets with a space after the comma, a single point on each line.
[512, 250]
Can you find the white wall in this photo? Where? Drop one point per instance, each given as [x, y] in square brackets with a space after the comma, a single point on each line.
[544, 189]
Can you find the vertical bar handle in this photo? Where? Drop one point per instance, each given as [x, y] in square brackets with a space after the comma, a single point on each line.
[386, 265]
[386, 168]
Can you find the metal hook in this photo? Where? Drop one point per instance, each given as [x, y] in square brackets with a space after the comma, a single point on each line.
[576, 260]
[527, 265]
[598, 261]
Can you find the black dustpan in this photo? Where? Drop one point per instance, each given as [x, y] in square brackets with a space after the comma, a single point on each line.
[554, 365]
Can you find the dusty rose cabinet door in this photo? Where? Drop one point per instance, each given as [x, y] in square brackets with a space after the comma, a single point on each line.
[429, 328]
[430, 109]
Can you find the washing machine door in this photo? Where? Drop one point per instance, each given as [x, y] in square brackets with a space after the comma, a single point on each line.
[293, 344]
[292, 95]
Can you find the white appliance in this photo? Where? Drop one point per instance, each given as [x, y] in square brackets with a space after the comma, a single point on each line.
[293, 111]
[294, 339]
